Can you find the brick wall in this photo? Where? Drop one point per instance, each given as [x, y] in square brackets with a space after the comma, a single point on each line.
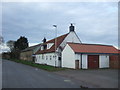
[115, 61]
[26, 56]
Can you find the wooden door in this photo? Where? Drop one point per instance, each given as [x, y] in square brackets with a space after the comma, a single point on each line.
[93, 61]
[59, 63]
[76, 64]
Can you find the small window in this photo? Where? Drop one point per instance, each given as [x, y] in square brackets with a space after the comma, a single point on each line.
[53, 56]
[46, 57]
[42, 56]
[50, 57]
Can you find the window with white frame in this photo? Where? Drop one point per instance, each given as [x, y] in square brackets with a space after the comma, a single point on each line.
[53, 56]
[49, 45]
[46, 57]
[42, 56]
[50, 57]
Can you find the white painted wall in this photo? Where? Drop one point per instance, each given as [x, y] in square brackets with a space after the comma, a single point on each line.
[45, 59]
[71, 37]
[78, 57]
[104, 61]
[36, 56]
[84, 61]
[68, 57]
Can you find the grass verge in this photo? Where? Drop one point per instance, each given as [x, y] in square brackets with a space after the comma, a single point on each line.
[41, 66]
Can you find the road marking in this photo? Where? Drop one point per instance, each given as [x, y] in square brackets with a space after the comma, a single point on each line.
[67, 80]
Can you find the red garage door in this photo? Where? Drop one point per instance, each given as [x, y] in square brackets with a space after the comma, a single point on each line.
[93, 61]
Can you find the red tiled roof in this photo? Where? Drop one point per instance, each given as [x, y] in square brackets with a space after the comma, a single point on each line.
[119, 51]
[52, 49]
[92, 48]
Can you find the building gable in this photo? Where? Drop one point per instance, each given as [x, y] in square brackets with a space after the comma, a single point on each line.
[71, 37]
[61, 42]
[68, 57]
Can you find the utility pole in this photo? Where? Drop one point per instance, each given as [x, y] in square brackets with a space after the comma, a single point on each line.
[55, 43]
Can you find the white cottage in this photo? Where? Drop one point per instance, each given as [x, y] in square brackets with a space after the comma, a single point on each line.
[87, 56]
[50, 53]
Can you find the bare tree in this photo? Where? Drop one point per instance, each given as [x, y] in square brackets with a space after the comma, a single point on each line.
[1, 40]
[10, 44]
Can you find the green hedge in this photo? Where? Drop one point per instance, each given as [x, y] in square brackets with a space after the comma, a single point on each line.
[41, 66]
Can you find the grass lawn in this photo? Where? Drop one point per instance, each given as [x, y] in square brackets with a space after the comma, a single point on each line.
[41, 66]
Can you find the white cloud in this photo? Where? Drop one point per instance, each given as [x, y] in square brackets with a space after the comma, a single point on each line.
[95, 22]
[32, 44]
[4, 48]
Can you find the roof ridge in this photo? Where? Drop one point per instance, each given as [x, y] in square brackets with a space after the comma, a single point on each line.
[57, 37]
[89, 44]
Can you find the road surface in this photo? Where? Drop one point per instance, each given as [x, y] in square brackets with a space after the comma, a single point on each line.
[16, 75]
[95, 78]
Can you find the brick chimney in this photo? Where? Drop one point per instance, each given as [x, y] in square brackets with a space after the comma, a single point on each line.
[71, 28]
[44, 44]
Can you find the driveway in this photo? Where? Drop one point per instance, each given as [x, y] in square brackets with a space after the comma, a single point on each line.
[101, 78]
[16, 75]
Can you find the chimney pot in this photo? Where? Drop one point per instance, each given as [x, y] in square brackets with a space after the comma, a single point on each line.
[71, 28]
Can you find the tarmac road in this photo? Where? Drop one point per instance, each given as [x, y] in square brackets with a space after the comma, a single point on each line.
[93, 78]
[16, 75]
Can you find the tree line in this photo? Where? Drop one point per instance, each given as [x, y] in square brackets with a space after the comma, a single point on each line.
[17, 46]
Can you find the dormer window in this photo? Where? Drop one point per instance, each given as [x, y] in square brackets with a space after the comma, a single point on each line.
[49, 45]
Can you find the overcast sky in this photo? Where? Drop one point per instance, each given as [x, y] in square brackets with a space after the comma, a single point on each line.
[94, 22]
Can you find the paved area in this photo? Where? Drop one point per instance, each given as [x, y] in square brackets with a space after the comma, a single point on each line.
[16, 75]
[101, 78]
